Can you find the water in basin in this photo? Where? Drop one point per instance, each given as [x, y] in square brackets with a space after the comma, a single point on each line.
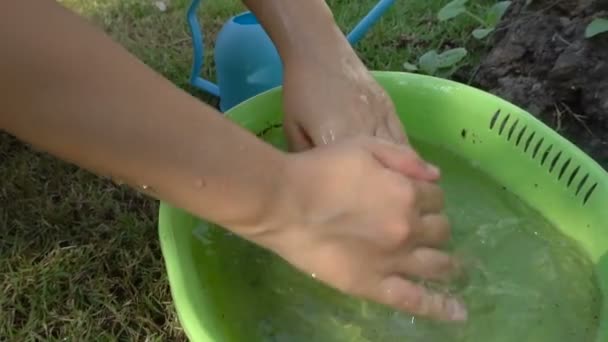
[526, 281]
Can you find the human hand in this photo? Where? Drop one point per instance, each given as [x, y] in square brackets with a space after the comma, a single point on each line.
[365, 217]
[330, 100]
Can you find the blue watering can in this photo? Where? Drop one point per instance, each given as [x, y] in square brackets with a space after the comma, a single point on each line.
[247, 62]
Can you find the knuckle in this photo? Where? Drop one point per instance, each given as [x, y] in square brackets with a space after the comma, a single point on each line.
[444, 231]
[407, 193]
[402, 235]
[448, 267]
[438, 262]
[396, 235]
[414, 303]
[401, 294]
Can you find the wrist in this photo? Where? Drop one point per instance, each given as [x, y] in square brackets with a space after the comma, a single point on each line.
[284, 207]
[301, 30]
[259, 214]
[323, 44]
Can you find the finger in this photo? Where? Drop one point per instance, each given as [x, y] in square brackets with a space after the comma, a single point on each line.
[382, 131]
[433, 231]
[403, 159]
[328, 133]
[395, 129]
[427, 264]
[429, 197]
[297, 138]
[415, 299]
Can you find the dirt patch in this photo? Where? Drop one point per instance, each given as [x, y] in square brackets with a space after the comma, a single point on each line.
[542, 62]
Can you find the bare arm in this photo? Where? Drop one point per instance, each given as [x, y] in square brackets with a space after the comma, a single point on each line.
[329, 93]
[70, 90]
[302, 31]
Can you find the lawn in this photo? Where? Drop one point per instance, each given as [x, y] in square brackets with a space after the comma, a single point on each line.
[79, 255]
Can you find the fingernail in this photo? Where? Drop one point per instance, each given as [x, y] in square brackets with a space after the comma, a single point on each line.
[433, 169]
[457, 310]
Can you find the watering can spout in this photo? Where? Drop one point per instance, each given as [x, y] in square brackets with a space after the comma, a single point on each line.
[368, 21]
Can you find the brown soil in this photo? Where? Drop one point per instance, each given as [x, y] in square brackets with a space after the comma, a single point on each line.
[542, 62]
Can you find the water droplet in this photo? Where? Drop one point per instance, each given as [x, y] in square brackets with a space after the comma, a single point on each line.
[314, 275]
[200, 183]
[413, 320]
[148, 189]
[329, 137]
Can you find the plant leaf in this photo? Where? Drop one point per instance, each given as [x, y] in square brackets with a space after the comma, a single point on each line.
[597, 26]
[429, 62]
[451, 57]
[453, 9]
[496, 12]
[447, 72]
[481, 33]
[410, 67]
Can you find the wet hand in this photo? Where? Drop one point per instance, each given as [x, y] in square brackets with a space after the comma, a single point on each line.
[366, 217]
[329, 101]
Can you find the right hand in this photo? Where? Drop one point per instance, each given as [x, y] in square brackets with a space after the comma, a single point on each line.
[365, 217]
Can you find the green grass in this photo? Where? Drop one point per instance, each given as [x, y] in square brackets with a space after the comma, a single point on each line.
[79, 255]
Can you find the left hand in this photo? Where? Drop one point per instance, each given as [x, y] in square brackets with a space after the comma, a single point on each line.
[329, 100]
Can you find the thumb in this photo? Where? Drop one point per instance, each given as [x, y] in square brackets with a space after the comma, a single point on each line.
[403, 159]
[298, 139]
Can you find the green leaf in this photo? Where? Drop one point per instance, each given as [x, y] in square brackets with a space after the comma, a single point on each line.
[453, 9]
[596, 27]
[410, 67]
[429, 62]
[481, 33]
[451, 57]
[496, 12]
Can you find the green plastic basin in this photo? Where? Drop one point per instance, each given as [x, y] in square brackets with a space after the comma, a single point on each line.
[513, 148]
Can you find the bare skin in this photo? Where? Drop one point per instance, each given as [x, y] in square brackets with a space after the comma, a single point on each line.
[363, 214]
[321, 67]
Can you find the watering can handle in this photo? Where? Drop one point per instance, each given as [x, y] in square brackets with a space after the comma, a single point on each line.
[368, 21]
[198, 46]
[199, 52]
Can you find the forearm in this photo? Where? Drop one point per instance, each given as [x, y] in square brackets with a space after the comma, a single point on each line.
[71, 91]
[302, 31]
